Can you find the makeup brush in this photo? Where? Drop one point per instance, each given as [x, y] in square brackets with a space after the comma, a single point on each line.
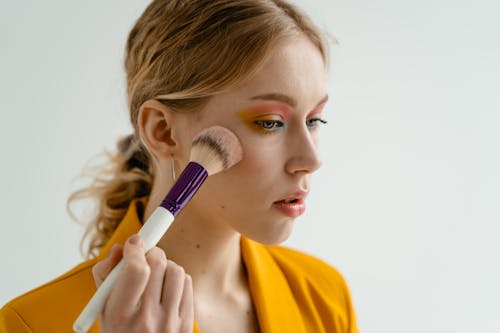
[213, 150]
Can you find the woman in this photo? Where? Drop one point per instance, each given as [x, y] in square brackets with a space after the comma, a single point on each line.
[257, 67]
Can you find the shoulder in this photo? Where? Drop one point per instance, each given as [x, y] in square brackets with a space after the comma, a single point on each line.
[318, 282]
[308, 267]
[51, 307]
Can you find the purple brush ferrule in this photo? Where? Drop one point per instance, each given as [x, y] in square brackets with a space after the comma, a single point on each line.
[184, 188]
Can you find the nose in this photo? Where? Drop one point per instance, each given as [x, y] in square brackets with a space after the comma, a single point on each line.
[303, 154]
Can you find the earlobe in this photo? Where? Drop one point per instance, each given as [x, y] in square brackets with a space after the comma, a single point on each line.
[155, 128]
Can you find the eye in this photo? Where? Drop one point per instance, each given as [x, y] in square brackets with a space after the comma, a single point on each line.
[315, 122]
[269, 125]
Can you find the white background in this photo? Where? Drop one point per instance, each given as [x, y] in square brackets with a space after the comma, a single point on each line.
[406, 205]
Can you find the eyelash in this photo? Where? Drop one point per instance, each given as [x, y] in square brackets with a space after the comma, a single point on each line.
[315, 122]
[278, 124]
[274, 123]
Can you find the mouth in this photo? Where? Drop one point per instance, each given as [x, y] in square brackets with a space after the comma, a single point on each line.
[288, 201]
[295, 197]
[292, 205]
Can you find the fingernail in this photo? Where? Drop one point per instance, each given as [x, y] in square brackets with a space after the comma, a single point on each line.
[135, 239]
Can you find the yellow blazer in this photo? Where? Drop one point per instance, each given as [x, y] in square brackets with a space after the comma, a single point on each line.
[291, 291]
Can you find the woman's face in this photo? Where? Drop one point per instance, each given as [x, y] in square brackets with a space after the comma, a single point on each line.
[276, 116]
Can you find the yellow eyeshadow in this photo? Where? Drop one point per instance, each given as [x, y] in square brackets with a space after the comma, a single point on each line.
[249, 118]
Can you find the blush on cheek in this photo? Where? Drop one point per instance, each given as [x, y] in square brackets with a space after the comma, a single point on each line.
[254, 163]
[258, 156]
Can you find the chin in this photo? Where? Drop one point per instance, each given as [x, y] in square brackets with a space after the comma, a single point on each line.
[273, 237]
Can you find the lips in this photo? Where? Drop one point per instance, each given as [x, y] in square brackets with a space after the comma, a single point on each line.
[292, 205]
[298, 196]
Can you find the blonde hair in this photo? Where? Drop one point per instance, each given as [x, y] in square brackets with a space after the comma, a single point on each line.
[182, 52]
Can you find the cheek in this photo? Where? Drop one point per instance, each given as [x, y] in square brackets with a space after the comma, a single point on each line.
[260, 156]
[253, 175]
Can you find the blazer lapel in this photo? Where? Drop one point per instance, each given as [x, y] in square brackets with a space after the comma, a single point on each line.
[276, 308]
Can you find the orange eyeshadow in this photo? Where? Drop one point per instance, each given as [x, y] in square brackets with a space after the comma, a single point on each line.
[263, 112]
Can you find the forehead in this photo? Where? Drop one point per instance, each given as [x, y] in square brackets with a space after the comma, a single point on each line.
[295, 68]
[295, 64]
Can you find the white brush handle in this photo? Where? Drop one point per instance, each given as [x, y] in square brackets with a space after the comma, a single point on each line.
[151, 233]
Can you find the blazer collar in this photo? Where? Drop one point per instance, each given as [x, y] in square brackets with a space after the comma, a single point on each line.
[273, 299]
[130, 224]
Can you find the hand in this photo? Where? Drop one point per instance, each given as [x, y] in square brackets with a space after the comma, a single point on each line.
[151, 294]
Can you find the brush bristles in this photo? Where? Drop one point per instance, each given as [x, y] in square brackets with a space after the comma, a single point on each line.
[216, 149]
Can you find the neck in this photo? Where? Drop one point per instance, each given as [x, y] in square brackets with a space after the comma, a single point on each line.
[208, 251]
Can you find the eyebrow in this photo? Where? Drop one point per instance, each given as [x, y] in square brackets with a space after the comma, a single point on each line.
[284, 99]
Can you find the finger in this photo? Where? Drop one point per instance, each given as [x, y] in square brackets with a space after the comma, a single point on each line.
[157, 261]
[102, 268]
[132, 280]
[172, 288]
[186, 307]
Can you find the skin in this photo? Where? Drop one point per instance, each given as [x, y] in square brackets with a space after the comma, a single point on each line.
[279, 137]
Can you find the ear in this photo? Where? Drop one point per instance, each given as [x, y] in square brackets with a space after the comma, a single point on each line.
[155, 122]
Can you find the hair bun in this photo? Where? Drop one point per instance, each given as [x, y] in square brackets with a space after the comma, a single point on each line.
[124, 144]
[131, 150]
